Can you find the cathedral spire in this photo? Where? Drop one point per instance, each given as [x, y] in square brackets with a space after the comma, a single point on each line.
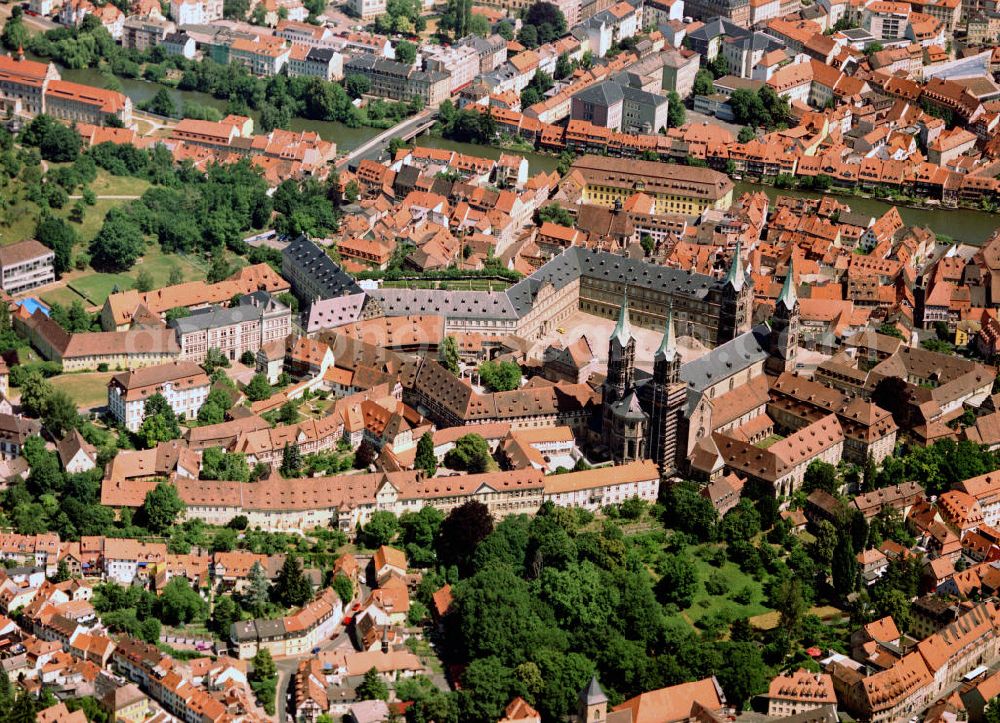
[736, 276]
[668, 345]
[788, 297]
[623, 329]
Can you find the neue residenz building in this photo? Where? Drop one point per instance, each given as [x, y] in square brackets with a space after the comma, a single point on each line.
[674, 189]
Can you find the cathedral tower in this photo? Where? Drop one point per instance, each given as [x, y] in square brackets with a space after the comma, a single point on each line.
[785, 327]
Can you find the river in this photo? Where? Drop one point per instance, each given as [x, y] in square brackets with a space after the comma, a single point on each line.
[964, 225]
[141, 90]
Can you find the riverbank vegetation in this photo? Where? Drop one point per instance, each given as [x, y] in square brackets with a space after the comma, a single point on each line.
[277, 99]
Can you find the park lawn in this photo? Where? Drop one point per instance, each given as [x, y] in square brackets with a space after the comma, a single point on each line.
[454, 285]
[19, 223]
[704, 604]
[22, 218]
[96, 286]
[765, 443]
[108, 185]
[87, 389]
[64, 296]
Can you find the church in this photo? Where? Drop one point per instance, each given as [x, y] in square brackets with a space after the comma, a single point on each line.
[662, 417]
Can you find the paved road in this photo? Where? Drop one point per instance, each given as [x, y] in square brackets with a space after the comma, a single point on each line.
[110, 198]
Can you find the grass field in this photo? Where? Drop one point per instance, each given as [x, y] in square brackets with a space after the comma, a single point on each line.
[107, 185]
[88, 389]
[18, 223]
[454, 285]
[765, 443]
[735, 581]
[63, 296]
[95, 287]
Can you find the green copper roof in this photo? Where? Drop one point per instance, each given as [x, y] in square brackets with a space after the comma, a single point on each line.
[736, 276]
[668, 345]
[623, 329]
[788, 297]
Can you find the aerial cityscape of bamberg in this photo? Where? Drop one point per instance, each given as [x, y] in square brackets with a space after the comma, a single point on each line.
[499, 361]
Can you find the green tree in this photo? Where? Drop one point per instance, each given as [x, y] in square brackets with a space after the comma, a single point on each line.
[161, 104]
[144, 281]
[425, 458]
[291, 460]
[161, 507]
[35, 393]
[61, 414]
[14, 37]
[291, 587]
[372, 687]
[406, 52]
[689, 512]
[357, 85]
[417, 532]
[264, 679]
[180, 603]
[548, 21]
[502, 376]
[289, 413]
[461, 532]
[844, 567]
[744, 674]
[118, 243]
[675, 110]
[820, 476]
[160, 423]
[449, 354]
[554, 213]
[257, 595]
[59, 236]
[381, 529]
[344, 588]
[224, 614]
[470, 454]
[62, 572]
[259, 388]
[678, 580]
[704, 83]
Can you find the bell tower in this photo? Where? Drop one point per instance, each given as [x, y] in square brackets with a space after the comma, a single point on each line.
[785, 327]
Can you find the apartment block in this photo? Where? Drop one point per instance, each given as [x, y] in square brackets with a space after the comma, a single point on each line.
[184, 385]
[25, 265]
[398, 81]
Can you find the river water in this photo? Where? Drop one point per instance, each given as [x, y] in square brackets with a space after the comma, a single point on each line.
[972, 227]
[963, 225]
[140, 90]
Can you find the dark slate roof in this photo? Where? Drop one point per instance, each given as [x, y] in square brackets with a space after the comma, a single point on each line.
[306, 255]
[728, 359]
[715, 28]
[320, 55]
[638, 95]
[251, 306]
[592, 694]
[560, 270]
[454, 304]
[607, 94]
